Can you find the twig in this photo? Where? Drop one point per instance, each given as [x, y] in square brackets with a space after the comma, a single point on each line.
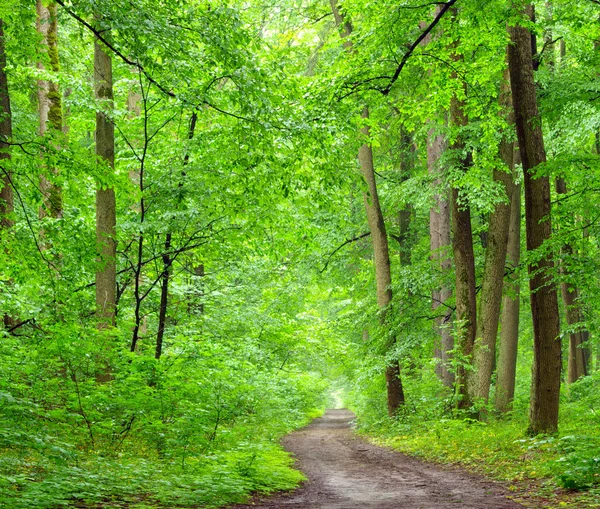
[346, 242]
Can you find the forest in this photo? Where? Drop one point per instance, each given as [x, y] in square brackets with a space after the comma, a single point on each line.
[219, 218]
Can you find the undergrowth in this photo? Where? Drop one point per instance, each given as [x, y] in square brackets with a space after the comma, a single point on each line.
[198, 430]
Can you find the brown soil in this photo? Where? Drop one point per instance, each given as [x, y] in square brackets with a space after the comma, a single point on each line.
[344, 472]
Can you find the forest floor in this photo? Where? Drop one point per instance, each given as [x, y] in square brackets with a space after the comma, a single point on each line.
[345, 472]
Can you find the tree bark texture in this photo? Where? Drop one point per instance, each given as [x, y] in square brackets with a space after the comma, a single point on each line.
[509, 332]
[106, 233]
[381, 256]
[464, 260]
[6, 192]
[484, 353]
[49, 104]
[570, 295]
[545, 386]
[440, 242]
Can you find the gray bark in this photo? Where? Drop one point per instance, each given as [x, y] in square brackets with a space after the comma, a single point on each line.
[509, 333]
[484, 353]
[440, 242]
[106, 244]
[464, 261]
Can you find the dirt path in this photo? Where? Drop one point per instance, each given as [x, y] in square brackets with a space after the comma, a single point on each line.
[345, 472]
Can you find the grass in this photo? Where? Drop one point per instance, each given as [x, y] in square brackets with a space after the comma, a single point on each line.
[551, 472]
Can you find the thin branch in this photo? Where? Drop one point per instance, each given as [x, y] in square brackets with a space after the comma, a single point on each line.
[346, 242]
[538, 56]
[422, 6]
[415, 44]
[143, 70]
[15, 327]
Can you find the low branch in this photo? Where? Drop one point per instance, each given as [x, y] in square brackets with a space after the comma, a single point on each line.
[345, 243]
[25, 322]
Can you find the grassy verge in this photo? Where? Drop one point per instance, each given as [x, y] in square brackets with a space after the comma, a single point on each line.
[549, 472]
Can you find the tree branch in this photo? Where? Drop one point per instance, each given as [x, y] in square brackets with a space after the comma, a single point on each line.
[142, 69]
[346, 242]
[415, 44]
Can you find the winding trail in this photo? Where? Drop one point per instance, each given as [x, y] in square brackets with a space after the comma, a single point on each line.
[345, 472]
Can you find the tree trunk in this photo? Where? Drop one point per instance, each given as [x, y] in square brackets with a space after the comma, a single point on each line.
[6, 191]
[545, 386]
[464, 262]
[509, 333]
[383, 275]
[440, 242]
[381, 255]
[164, 297]
[49, 104]
[167, 261]
[570, 295]
[106, 233]
[484, 353]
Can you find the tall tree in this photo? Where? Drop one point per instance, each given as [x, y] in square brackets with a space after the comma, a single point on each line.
[381, 254]
[6, 191]
[509, 332]
[49, 103]
[106, 242]
[462, 246]
[484, 353]
[576, 367]
[440, 243]
[168, 260]
[545, 384]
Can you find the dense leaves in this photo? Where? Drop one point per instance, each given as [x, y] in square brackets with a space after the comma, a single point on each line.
[236, 135]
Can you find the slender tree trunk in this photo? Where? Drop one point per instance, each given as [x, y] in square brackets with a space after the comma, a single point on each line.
[570, 296]
[381, 255]
[464, 261]
[106, 231]
[167, 261]
[545, 387]
[493, 273]
[440, 245]
[49, 104]
[509, 333]
[383, 275]
[6, 191]
[164, 297]
[440, 242]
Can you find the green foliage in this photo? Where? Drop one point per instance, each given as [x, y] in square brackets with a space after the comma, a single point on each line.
[271, 297]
